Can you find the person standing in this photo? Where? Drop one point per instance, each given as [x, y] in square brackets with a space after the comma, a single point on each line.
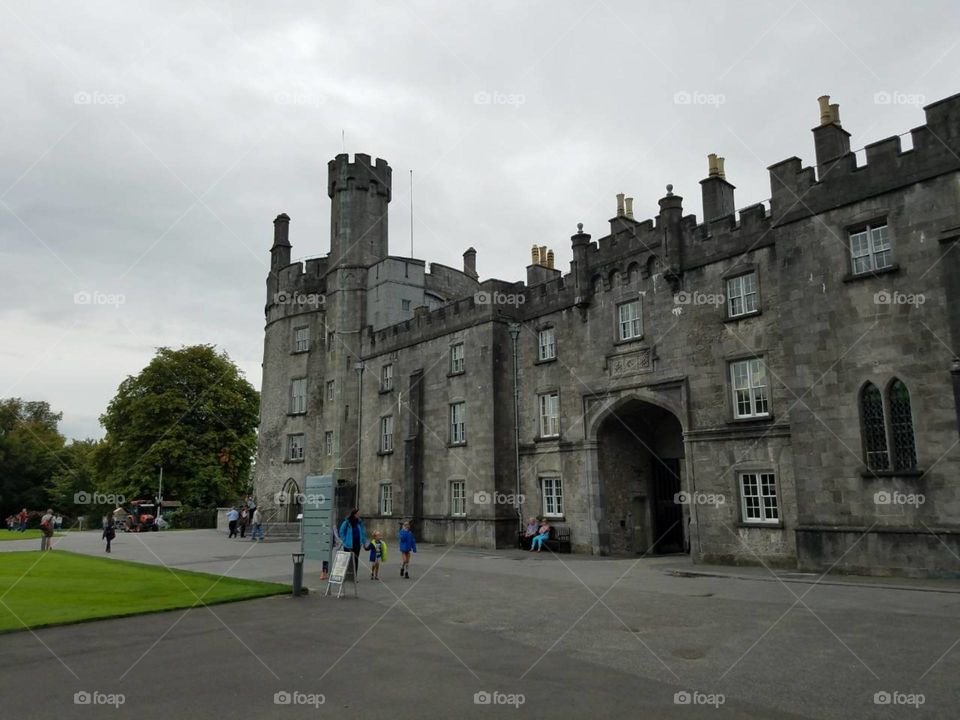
[244, 519]
[46, 530]
[22, 517]
[109, 532]
[408, 544]
[353, 537]
[378, 554]
[257, 531]
[232, 518]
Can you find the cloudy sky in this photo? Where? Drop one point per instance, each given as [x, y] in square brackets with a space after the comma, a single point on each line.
[147, 147]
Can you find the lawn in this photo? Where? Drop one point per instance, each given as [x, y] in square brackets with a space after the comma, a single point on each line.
[63, 587]
[25, 535]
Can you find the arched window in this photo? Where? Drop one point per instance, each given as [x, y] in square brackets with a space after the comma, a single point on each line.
[874, 428]
[653, 266]
[596, 283]
[633, 274]
[901, 427]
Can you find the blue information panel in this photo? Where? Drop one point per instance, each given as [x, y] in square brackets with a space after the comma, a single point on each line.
[317, 503]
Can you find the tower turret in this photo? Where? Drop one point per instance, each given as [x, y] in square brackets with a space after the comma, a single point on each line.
[360, 191]
[280, 251]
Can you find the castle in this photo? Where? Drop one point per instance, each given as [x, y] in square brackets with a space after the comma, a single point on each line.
[778, 386]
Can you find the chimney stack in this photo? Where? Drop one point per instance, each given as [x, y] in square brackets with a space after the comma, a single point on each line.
[550, 259]
[628, 207]
[470, 263]
[535, 255]
[717, 192]
[620, 209]
[831, 142]
[280, 252]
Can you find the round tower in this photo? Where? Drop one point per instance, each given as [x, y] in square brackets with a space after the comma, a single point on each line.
[360, 191]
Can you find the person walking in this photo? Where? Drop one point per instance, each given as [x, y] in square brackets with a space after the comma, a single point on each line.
[257, 532]
[244, 519]
[232, 518]
[23, 516]
[354, 537]
[46, 530]
[109, 531]
[408, 544]
[378, 554]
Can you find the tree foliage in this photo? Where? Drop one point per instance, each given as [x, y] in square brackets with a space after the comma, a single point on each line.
[191, 411]
[30, 445]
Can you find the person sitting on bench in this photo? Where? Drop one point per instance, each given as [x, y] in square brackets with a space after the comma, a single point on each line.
[533, 527]
[543, 534]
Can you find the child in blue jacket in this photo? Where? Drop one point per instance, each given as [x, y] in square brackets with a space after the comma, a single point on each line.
[408, 544]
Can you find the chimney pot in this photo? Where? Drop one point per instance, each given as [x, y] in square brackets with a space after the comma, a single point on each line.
[720, 170]
[534, 255]
[712, 166]
[826, 114]
[620, 209]
[628, 207]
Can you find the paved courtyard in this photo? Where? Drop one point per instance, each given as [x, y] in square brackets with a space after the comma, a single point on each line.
[568, 636]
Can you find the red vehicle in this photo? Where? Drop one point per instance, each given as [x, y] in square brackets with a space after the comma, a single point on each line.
[142, 516]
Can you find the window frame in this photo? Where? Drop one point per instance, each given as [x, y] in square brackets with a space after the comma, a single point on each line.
[297, 340]
[331, 393]
[328, 442]
[453, 424]
[386, 435]
[631, 322]
[739, 277]
[557, 495]
[867, 230]
[751, 388]
[290, 446]
[458, 499]
[296, 408]
[546, 396]
[458, 365]
[764, 520]
[386, 377]
[552, 345]
[385, 498]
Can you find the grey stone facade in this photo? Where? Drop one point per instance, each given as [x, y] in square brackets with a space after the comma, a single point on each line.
[648, 452]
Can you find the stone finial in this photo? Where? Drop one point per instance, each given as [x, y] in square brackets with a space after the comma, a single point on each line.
[580, 228]
[669, 190]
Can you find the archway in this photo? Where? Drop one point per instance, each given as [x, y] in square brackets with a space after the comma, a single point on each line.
[290, 502]
[640, 461]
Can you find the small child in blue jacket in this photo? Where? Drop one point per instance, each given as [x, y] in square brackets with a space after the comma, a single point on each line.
[408, 544]
[378, 554]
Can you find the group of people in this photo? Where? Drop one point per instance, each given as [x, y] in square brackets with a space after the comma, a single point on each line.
[247, 516]
[18, 521]
[352, 537]
[537, 533]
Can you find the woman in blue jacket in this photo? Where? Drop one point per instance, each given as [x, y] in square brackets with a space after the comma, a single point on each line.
[353, 537]
[408, 544]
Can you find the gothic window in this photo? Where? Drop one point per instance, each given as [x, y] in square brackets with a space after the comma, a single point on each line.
[874, 428]
[901, 427]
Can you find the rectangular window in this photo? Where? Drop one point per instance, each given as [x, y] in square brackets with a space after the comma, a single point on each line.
[405, 305]
[552, 496]
[748, 381]
[328, 442]
[386, 499]
[330, 390]
[458, 498]
[549, 414]
[456, 358]
[301, 339]
[386, 434]
[742, 295]
[547, 344]
[329, 342]
[295, 447]
[298, 396]
[758, 494]
[386, 377]
[630, 320]
[870, 249]
[458, 431]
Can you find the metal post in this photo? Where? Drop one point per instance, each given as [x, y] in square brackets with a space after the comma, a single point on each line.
[514, 329]
[297, 574]
[359, 368]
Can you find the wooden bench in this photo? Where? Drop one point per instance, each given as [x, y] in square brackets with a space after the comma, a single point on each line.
[559, 540]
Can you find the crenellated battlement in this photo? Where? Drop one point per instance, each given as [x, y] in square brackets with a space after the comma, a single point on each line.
[361, 174]
[799, 191]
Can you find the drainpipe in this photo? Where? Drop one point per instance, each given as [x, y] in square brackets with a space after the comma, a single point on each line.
[359, 368]
[514, 329]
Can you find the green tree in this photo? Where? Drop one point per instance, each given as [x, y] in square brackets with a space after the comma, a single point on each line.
[190, 411]
[30, 445]
[75, 475]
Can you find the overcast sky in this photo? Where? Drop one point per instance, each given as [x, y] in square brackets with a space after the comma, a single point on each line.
[147, 147]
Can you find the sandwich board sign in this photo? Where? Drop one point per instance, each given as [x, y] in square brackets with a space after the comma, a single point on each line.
[338, 572]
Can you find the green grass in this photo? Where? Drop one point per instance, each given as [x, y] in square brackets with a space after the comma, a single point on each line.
[63, 587]
[25, 535]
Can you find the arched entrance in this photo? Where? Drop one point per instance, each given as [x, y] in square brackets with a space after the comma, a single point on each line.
[640, 461]
[290, 499]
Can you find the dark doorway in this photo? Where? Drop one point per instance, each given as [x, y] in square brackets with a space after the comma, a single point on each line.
[640, 463]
